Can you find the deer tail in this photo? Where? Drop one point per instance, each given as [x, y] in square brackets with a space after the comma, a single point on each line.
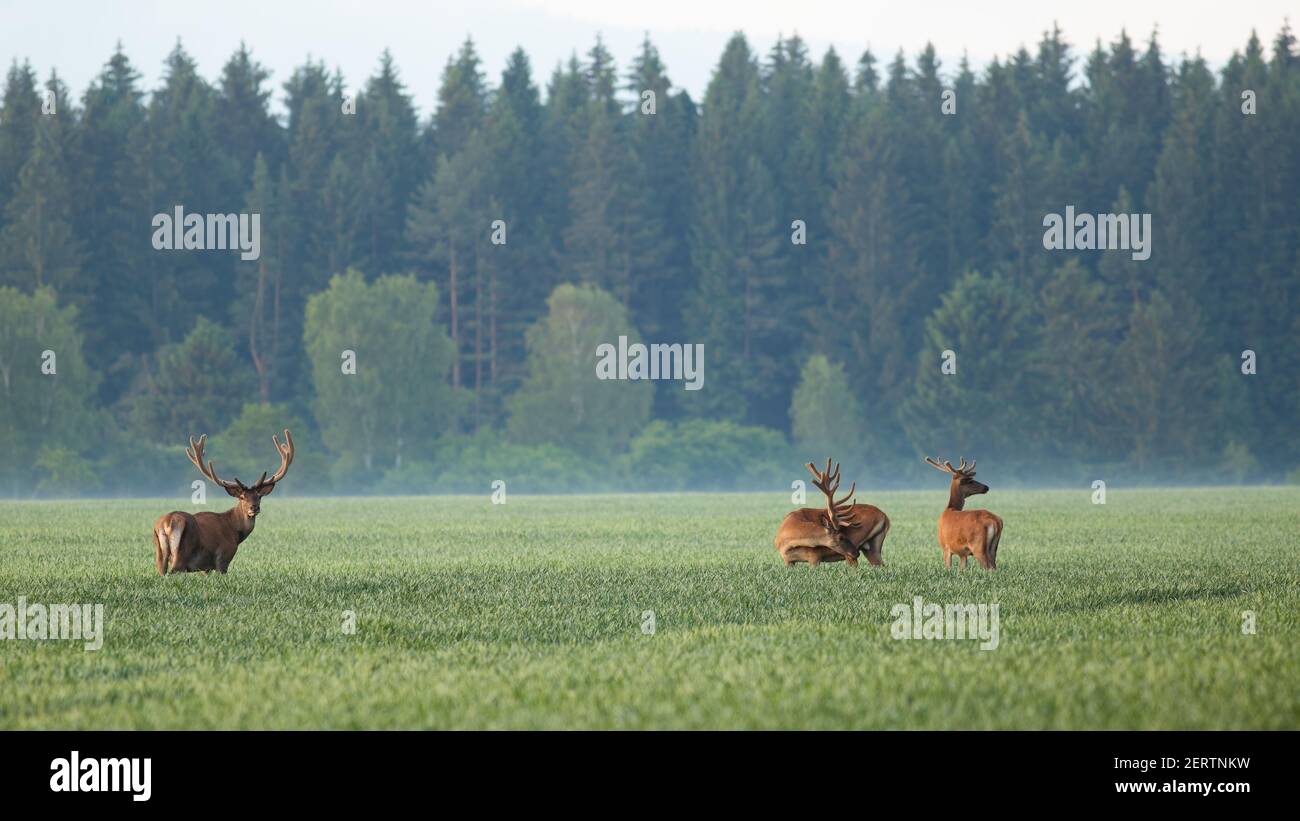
[169, 539]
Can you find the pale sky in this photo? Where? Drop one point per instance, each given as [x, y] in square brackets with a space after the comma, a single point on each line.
[77, 37]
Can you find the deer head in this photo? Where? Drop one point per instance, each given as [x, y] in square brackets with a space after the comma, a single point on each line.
[963, 481]
[839, 514]
[249, 496]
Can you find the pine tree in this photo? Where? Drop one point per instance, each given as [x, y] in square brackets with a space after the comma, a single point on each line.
[20, 108]
[986, 321]
[562, 127]
[877, 278]
[37, 245]
[734, 308]
[178, 161]
[462, 102]
[108, 220]
[449, 231]
[518, 272]
[659, 185]
[256, 310]
[248, 128]
[1020, 201]
[596, 249]
[1159, 368]
[392, 166]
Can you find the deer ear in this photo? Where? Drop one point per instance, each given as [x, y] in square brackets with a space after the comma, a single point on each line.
[234, 491]
[265, 491]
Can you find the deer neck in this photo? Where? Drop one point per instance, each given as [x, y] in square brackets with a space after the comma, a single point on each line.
[956, 501]
[240, 523]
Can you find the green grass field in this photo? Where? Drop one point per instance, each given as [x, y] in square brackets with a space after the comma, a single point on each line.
[529, 615]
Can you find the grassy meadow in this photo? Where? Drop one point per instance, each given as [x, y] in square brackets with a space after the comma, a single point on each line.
[530, 615]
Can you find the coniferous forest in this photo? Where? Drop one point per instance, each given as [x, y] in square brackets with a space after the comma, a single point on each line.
[856, 240]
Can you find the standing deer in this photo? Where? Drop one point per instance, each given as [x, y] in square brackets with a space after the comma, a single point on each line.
[836, 533]
[967, 532]
[186, 542]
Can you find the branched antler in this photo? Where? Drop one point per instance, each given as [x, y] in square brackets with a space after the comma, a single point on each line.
[286, 459]
[962, 469]
[263, 485]
[838, 513]
[195, 454]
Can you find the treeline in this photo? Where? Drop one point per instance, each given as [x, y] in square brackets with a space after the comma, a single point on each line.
[839, 236]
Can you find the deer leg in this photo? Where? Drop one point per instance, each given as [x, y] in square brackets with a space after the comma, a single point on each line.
[874, 549]
[158, 552]
[963, 562]
[180, 557]
[169, 543]
[947, 559]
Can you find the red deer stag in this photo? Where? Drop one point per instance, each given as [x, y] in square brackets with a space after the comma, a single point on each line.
[186, 542]
[836, 533]
[967, 532]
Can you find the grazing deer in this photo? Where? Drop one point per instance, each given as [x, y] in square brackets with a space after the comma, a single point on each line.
[836, 533]
[967, 532]
[186, 542]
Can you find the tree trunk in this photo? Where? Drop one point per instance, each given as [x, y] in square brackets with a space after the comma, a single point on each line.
[259, 363]
[478, 334]
[455, 321]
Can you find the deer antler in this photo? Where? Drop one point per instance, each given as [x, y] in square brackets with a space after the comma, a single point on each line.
[286, 459]
[838, 513]
[962, 469]
[195, 454]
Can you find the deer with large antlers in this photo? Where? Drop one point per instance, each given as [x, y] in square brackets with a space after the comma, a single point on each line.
[965, 533]
[835, 533]
[186, 542]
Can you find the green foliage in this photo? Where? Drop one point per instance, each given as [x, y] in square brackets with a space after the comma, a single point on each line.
[562, 401]
[735, 307]
[197, 386]
[37, 246]
[470, 464]
[1073, 363]
[398, 399]
[244, 448]
[46, 399]
[826, 417]
[714, 455]
[1238, 464]
[63, 471]
[21, 105]
[985, 405]
[684, 218]
[1159, 360]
